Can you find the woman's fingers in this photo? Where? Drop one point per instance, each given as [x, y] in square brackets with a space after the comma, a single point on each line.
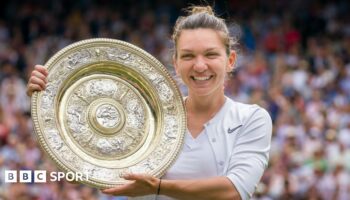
[120, 190]
[136, 177]
[33, 81]
[35, 84]
[140, 184]
[33, 87]
[37, 80]
[41, 69]
[39, 75]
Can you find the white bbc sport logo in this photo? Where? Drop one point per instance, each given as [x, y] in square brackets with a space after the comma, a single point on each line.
[10, 176]
[40, 176]
[25, 176]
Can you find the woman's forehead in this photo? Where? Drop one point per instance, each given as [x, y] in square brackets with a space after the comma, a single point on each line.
[206, 38]
[200, 31]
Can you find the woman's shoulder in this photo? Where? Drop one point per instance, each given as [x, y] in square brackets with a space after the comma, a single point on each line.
[243, 107]
[244, 111]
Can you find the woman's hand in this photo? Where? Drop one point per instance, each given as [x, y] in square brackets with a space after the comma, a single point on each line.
[37, 80]
[140, 185]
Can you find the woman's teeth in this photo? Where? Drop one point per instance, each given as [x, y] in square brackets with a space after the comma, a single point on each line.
[201, 78]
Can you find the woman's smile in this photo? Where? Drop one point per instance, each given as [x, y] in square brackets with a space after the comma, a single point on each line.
[201, 78]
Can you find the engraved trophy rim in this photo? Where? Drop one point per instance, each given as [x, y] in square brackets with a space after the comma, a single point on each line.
[109, 108]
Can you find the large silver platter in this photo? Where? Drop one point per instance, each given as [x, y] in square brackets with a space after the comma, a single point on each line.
[109, 108]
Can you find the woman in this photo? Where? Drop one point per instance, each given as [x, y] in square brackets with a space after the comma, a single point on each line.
[227, 143]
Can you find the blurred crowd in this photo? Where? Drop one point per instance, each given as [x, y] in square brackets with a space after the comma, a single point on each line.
[294, 60]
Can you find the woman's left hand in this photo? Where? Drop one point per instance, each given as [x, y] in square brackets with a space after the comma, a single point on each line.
[140, 185]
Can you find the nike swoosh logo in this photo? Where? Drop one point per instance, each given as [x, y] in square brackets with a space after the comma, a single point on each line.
[229, 130]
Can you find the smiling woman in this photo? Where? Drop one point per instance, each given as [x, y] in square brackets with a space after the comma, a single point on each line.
[202, 63]
[227, 144]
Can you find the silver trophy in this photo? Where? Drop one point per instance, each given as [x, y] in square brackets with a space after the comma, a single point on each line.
[109, 108]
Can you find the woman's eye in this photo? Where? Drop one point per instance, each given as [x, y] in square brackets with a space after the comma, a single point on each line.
[212, 55]
[187, 56]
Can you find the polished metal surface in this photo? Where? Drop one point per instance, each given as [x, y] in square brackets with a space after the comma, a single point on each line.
[109, 108]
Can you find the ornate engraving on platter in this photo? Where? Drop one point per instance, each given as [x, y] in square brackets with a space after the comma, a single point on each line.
[100, 124]
[109, 108]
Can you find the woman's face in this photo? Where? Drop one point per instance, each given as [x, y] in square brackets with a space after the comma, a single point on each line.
[202, 61]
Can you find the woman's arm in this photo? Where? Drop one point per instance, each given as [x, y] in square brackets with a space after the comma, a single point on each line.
[211, 188]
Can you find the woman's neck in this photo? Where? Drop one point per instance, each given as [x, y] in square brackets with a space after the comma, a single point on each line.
[200, 110]
[208, 105]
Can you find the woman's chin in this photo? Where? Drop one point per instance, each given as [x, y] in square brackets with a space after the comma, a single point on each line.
[204, 92]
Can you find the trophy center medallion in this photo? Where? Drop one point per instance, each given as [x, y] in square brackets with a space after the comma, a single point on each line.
[106, 116]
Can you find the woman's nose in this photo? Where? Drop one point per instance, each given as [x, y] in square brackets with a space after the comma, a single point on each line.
[200, 65]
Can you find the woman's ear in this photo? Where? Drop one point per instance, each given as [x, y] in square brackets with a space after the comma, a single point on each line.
[231, 61]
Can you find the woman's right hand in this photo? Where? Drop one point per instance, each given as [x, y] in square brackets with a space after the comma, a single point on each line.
[37, 80]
